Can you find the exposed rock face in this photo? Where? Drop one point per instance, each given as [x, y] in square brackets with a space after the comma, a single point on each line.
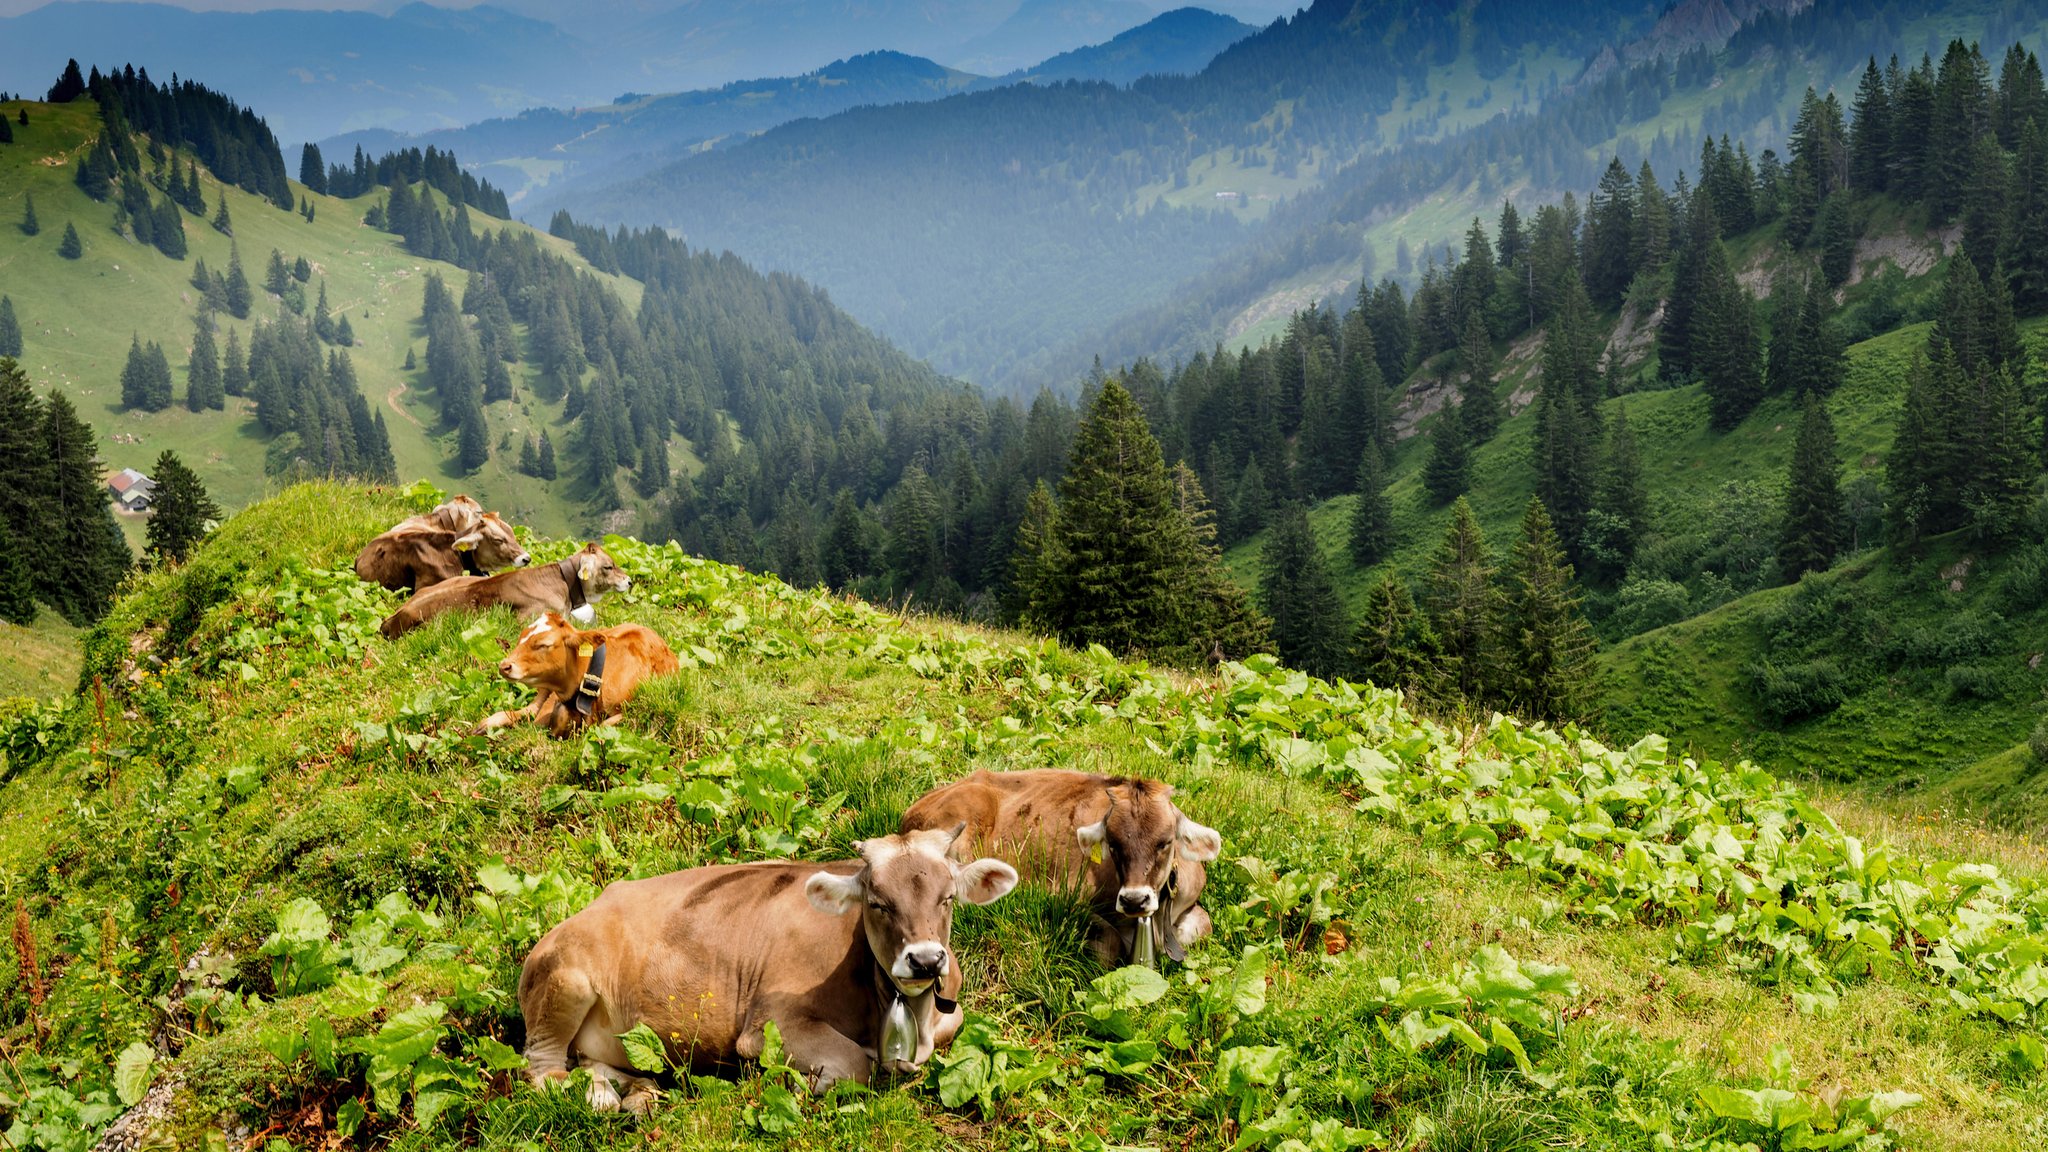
[1689, 24]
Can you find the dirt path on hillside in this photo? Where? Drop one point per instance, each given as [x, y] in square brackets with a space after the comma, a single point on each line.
[391, 398]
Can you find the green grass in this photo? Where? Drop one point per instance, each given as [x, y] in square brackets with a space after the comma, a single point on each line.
[78, 317]
[38, 660]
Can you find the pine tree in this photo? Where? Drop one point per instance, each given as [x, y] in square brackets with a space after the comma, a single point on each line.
[1372, 518]
[221, 222]
[345, 336]
[1608, 242]
[2026, 253]
[529, 458]
[1813, 528]
[17, 589]
[1461, 604]
[29, 224]
[312, 172]
[1250, 503]
[1298, 593]
[1479, 403]
[911, 516]
[70, 248]
[234, 372]
[1985, 205]
[547, 456]
[179, 512]
[1446, 474]
[1623, 503]
[1546, 657]
[1217, 619]
[167, 229]
[10, 329]
[1870, 138]
[1393, 645]
[135, 382]
[323, 317]
[474, 442]
[1675, 353]
[384, 466]
[24, 473]
[87, 555]
[846, 554]
[203, 388]
[1725, 345]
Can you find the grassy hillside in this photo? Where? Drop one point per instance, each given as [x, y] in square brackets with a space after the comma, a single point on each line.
[40, 660]
[78, 317]
[279, 890]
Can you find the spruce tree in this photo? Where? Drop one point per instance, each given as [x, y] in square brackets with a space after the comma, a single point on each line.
[29, 224]
[384, 466]
[529, 458]
[1446, 474]
[1675, 354]
[24, 473]
[1393, 645]
[846, 554]
[203, 388]
[2026, 258]
[17, 589]
[180, 510]
[345, 336]
[1725, 346]
[234, 372]
[1479, 403]
[1372, 518]
[135, 382]
[10, 329]
[1610, 216]
[474, 442]
[1218, 620]
[239, 296]
[71, 247]
[1250, 503]
[221, 221]
[1813, 528]
[1459, 598]
[276, 275]
[1298, 593]
[1622, 501]
[87, 555]
[167, 229]
[547, 455]
[1546, 648]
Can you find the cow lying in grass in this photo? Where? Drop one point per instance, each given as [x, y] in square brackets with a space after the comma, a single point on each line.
[456, 538]
[579, 678]
[572, 587]
[708, 956]
[1141, 859]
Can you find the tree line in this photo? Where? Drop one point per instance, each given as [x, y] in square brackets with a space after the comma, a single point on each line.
[434, 168]
[232, 141]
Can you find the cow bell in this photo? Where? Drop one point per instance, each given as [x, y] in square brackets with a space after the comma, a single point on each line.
[899, 1035]
[1142, 948]
[583, 613]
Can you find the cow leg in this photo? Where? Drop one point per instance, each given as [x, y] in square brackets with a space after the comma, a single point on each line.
[608, 1083]
[555, 1012]
[1193, 925]
[1108, 943]
[824, 1054]
[497, 720]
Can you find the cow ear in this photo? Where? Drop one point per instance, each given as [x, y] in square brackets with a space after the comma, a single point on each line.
[1198, 842]
[985, 881]
[834, 895]
[587, 569]
[468, 543]
[1092, 835]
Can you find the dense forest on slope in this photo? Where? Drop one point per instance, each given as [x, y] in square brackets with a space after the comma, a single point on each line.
[982, 231]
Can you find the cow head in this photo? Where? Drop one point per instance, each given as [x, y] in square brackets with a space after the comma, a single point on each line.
[494, 544]
[594, 567]
[1142, 835]
[905, 890]
[458, 514]
[545, 656]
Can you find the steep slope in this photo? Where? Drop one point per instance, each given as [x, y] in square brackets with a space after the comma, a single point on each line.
[1179, 42]
[284, 846]
[982, 232]
[1042, 28]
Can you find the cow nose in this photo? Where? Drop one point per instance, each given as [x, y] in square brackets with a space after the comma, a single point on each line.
[926, 960]
[1137, 901]
[505, 669]
[520, 560]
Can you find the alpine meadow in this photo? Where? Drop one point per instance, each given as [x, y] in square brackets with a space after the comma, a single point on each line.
[1024, 574]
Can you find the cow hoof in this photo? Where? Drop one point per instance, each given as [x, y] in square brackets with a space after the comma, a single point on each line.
[603, 1097]
[640, 1101]
[899, 1067]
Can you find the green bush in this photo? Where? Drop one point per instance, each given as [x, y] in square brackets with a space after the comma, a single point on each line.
[1796, 691]
[2037, 742]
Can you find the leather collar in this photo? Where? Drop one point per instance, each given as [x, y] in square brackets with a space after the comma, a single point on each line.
[575, 581]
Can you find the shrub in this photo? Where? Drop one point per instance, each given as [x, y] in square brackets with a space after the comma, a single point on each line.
[1790, 692]
[2037, 742]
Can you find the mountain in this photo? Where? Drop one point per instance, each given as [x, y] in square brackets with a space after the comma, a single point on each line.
[1179, 42]
[1041, 28]
[557, 149]
[315, 74]
[981, 230]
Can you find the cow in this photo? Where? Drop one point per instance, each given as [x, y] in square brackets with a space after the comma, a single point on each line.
[579, 678]
[572, 586]
[417, 554]
[1119, 839]
[708, 956]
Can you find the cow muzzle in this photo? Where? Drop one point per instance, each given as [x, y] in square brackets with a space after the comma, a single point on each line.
[1137, 901]
[920, 963]
[521, 560]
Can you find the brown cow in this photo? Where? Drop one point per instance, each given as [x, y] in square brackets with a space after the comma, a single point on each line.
[579, 677]
[708, 956]
[416, 554]
[571, 587]
[1124, 838]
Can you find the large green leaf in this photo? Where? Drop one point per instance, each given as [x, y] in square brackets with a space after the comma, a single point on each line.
[132, 1072]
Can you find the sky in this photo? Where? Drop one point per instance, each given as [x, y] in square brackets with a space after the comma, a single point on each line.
[562, 13]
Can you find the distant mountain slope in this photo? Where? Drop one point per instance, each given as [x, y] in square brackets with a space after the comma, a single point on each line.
[1042, 28]
[983, 230]
[318, 73]
[1180, 42]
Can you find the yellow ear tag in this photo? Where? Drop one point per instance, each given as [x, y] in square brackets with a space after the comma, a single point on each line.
[464, 547]
[586, 651]
[1095, 853]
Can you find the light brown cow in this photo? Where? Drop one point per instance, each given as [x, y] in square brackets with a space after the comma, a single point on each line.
[579, 678]
[571, 586]
[415, 554]
[1124, 839]
[708, 956]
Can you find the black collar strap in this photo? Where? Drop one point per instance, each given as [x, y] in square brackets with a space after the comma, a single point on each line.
[587, 690]
[569, 573]
[469, 563]
[946, 1007]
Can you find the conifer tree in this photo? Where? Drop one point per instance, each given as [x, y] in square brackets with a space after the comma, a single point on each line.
[88, 555]
[237, 284]
[17, 589]
[384, 466]
[323, 317]
[1985, 204]
[1610, 216]
[1813, 528]
[1372, 518]
[1870, 137]
[1546, 657]
[1393, 645]
[846, 555]
[167, 229]
[203, 388]
[1446, 474]
[1462, 605]
[346, 337]
[529, 457]
[1479, 403]
[1250, 502]
[312, 172]
[24, 473]
[547, 455]
[221, 221]
[29, 224]
[1622, 501]
[2026, 254]
[1298, 593]
[234, 372]
[71, 247]
[1218, 619]
[1675, 353]
[1725, 345]
[10, 329]
[474, 446]
[180, 510]
[911, 516]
